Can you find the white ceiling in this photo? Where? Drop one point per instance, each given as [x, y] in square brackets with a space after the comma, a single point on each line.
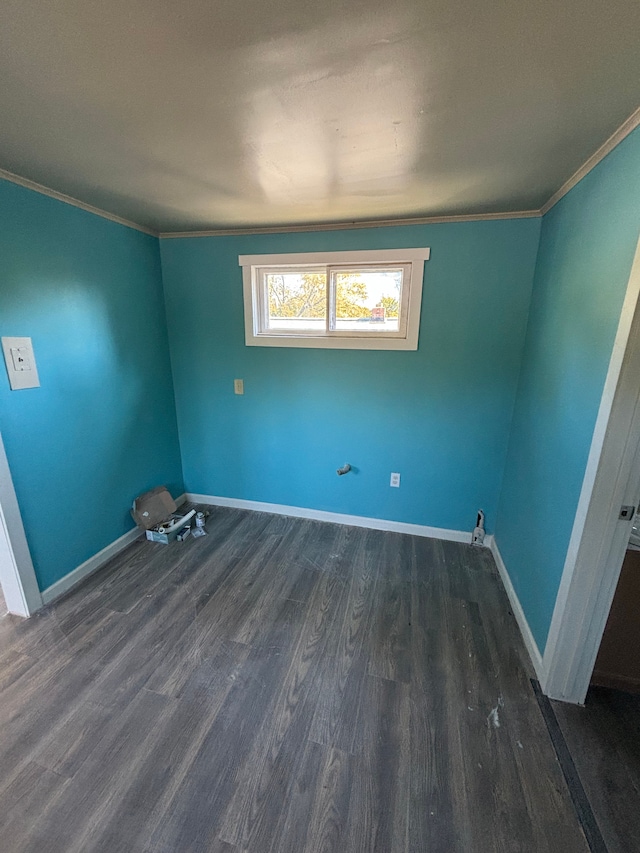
[197, 114]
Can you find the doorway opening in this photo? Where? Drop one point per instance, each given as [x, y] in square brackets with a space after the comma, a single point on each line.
[618, 662]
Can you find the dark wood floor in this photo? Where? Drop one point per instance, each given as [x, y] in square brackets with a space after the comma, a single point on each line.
[603, 738]
[279, 685]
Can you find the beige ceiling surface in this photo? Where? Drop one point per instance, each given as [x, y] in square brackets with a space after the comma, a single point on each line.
[194, 114]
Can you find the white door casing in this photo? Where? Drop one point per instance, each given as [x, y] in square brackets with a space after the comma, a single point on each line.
[599, 538]
[17, 576]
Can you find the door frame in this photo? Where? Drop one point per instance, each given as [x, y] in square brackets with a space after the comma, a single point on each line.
[599, 538]
[17, 575]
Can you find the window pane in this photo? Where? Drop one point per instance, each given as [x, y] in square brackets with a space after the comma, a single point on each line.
[296, 301]
[368, 300]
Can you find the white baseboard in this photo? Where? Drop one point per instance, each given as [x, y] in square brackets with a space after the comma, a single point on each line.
[518, 612]
[335, 517]
[89, 566]
[94, 563]
[396, 527]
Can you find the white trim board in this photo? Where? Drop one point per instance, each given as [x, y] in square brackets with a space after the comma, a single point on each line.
[462, 536]
[606, 148]
[615, 139]
[621, 133]
[598, 537]
[256, 324]
[96, 562]
[89, 566]
[416, 255]
[518, 612]
[19, 583]
[74, 202]
[335, 517]
[354, 224]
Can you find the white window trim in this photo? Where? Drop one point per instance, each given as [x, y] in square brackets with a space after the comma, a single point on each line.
[416, 257]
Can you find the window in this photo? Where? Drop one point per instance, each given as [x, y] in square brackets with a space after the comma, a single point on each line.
[340, 300]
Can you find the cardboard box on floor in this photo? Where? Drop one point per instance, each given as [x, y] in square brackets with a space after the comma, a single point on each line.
[162, 538]
[153, 508]
[155, 512]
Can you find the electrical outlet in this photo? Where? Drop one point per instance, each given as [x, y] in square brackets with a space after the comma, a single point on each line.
[395, 481]
[238, 386]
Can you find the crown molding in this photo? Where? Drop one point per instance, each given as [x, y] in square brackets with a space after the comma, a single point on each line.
[348, 226]
[74, 202]
[615, 139]
[606, 148]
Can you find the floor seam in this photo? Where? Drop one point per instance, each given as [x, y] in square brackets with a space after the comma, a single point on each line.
[578, 794]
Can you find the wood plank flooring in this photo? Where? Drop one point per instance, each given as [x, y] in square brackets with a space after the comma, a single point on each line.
[278, 685]
[604, 743]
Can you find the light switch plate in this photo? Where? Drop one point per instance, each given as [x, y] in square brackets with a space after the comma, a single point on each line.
[21, 363]
[238, 386]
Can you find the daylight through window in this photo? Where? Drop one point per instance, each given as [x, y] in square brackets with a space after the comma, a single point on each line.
[369, 302]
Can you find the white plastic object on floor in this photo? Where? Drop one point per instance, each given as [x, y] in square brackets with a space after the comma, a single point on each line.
[477, 537]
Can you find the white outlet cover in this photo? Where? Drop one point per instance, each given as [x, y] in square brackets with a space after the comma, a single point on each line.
[21, 363]
[395, 481]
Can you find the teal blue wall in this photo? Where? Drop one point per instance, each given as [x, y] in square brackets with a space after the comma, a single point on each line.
[440, 416]
[587, 245]
[103, 425]
[101, 428]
